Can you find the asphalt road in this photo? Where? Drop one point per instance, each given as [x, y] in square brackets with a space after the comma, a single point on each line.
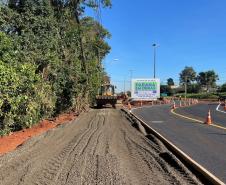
[100, 147]
[205, 144]
[199, 111]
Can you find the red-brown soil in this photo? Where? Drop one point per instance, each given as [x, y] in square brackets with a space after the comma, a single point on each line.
[10, 142]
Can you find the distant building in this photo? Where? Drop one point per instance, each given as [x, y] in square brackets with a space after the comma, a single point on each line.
[174, 86]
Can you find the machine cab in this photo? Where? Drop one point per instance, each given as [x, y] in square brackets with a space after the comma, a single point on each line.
[107, 90]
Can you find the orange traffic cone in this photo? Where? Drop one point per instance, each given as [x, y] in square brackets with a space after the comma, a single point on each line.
[129, 106]
[208, 119]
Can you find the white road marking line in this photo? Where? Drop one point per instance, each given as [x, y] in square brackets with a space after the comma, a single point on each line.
[157, 121]
[217, 109]
[137, 108]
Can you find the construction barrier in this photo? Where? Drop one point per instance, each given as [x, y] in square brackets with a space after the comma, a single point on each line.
[174, 105]
[129, 106]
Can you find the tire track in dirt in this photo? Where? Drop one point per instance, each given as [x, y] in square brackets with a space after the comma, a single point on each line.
[82, 150]
[52, 174]
[22, 160]
[101, 147]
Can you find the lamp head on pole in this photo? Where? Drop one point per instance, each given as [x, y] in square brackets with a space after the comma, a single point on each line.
[155, 45]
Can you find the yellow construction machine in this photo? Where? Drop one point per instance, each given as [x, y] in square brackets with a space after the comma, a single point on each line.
[106, 95]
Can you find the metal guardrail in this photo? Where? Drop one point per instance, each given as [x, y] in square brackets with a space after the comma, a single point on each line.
[209, 177]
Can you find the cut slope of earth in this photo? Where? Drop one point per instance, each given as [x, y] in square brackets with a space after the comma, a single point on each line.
[9, 143]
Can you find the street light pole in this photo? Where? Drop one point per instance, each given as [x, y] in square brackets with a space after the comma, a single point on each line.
[185, 86]
[154, 46]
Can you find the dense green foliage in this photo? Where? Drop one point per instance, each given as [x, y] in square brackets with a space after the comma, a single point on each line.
[207, 79]
[200, 95]
[203, 82]
[50, 59]
[223, 88]
[187, 75]
[170, 82]
[165, 89]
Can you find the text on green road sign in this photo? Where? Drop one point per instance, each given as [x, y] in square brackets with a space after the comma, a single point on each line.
[146, 86]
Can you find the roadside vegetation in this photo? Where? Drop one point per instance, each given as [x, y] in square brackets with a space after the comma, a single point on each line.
[202, 85]
[50, 59]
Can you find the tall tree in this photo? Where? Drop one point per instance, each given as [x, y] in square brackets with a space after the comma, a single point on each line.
[207, 79]
[56, 50]
[170, 82]
[187, 75]
[223, 88]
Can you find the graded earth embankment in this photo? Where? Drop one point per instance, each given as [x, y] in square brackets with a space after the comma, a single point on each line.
[100, 147]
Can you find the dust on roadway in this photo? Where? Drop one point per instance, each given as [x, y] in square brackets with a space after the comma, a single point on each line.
[100, 147]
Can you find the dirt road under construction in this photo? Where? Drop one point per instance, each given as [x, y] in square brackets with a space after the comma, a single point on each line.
[100, 147]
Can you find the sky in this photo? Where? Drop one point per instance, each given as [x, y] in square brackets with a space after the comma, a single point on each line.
[188, 32]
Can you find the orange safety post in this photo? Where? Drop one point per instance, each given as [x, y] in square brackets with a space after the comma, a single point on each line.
[174, 105]
[208, 119]
[180, 104]
[129, 106]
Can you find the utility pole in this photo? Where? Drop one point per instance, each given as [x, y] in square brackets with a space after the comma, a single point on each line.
[185, 86]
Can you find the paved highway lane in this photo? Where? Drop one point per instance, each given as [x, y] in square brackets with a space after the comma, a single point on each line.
[199, 111]
[205, 144]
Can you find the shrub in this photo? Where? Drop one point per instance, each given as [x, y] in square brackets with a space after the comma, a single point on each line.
[200, 96]
[24, 97]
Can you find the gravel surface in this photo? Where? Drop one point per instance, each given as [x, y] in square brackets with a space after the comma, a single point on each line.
[100, 147]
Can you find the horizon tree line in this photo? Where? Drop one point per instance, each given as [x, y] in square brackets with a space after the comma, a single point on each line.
[203, 81]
